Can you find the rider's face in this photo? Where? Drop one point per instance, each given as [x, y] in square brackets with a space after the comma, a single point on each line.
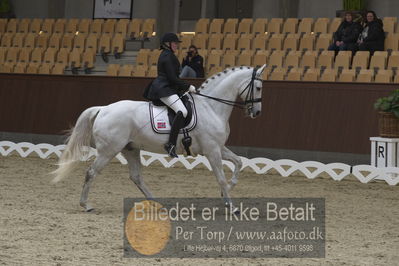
[174, 46]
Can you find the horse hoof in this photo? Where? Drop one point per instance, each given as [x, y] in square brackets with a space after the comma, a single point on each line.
[87, 208]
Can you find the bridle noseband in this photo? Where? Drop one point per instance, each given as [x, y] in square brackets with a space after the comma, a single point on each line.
[249, 98]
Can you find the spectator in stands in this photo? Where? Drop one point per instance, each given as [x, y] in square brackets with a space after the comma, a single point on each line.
[346, 35]
[193, 64]
[168, 88]
[373, 36]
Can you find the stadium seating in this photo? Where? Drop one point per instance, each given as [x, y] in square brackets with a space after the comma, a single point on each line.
[58, 69]
[259, 26]
[328, 75]
[323, 41]
[30, 40]
[277, 74]
[276, 42]
[334, 24]
[152, 72]
[305, 26]
[244, 27]
[12, 26]
[230, 41]
[216, 25]
[55, 41]
[45, 69]
[139, 71]
[290, 25]
[230, 26]
[291, 42]
[297, 47]
[186, 41]
[113, 69]
[259, 42]
[35, 25]
[294, 74]
[311, 74]
[42, 41]
[79, 42]
[309, 59]
[384, 76]
[83, 26]
[96, 27]
[47, 26]
[274, 25]
[307, 42]
[292, 59]
[121, 27]
[379, 60]
[361, 60]
[23, 25]
[32, 69]
[20, 68]
[245, 42]
[126, 71]
[202, 25]
[321, 25]
[365, 75]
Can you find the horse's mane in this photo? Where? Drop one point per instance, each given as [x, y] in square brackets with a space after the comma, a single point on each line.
[215, 79]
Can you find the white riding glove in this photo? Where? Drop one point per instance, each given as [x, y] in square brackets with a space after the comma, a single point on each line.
[192, 89]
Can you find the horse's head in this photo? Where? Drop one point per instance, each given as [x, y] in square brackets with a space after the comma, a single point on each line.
[251, 93]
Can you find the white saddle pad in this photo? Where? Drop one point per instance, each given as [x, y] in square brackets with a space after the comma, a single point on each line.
[160, 120]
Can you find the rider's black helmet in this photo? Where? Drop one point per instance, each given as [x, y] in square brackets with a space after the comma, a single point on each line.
[169, 37]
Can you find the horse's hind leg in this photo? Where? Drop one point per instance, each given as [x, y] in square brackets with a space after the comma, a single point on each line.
[236, 160]
[134, 163]
[99, 163]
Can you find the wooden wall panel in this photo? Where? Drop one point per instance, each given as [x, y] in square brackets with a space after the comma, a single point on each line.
[334, 117]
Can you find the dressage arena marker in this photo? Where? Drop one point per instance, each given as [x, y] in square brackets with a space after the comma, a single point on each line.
[311, 169]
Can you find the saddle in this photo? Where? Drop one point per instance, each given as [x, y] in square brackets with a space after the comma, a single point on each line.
[161, 118]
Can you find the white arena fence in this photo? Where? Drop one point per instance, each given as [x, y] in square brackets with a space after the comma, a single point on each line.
[310, 169]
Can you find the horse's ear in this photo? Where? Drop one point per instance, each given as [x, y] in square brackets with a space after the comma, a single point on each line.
[260, 70]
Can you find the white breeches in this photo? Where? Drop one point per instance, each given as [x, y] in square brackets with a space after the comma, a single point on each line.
[174, 102]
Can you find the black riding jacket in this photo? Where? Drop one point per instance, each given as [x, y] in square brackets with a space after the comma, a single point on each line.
[168, 82]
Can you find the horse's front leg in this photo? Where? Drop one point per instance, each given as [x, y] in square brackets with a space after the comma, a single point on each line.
[236, 160]
[215, 160]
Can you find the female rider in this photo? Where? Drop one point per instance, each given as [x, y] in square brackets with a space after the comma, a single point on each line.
[169, 88]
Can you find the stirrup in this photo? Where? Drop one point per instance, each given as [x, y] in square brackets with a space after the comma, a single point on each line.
[171, 150]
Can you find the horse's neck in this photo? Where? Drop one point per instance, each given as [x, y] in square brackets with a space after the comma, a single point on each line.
[227, 89]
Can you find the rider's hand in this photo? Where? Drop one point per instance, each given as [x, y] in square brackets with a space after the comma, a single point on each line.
[192, 89]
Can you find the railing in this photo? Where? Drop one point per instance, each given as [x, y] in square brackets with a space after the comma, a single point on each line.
[310, 169]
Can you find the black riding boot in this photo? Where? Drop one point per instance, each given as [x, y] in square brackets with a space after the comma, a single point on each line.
[177, 124]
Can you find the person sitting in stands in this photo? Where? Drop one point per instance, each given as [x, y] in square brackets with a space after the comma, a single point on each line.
[373, 36]
[193, 64]
[346, 35]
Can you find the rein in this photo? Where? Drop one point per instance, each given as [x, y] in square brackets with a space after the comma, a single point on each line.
[249, 98]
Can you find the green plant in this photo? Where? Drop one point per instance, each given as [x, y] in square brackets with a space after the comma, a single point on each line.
[354, 4]
[4, 6]
[389, 104]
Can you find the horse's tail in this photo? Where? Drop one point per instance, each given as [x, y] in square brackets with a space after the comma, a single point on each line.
[77, 142]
